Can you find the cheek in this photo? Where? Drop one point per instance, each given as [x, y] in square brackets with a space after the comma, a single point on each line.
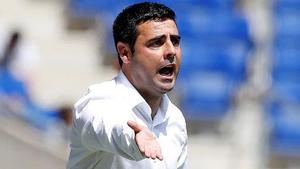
[143, 68]
[149, 62]
[178, 59]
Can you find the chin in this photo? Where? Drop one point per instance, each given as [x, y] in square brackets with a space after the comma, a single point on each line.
[166, 88]
[164, 85]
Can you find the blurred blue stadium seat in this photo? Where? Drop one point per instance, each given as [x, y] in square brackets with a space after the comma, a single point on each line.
[216, 44]
[207, 96]
[287, 90]
[286, 4]
[226, 57]
[90, 8]
[93, 5]
[287, 25]
[283, 102]
[286, 64]
[213, 24]
[284, 119]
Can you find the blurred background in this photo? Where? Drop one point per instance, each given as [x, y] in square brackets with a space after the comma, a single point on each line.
[238, 87]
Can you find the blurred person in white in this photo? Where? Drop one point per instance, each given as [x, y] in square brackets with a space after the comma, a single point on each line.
[16, 97]
[129, 122]
[13, 81]
[21, 54]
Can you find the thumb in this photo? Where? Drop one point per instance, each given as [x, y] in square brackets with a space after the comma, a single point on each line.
[135, 126]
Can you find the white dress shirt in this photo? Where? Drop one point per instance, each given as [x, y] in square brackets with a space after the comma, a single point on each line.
[101, 138]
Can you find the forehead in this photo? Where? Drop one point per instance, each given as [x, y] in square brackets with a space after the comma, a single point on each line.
[157, 28]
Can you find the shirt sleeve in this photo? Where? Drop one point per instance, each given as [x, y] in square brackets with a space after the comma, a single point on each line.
[102, 128]
[182, 164]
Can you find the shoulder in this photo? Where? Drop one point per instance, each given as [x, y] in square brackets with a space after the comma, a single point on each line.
[104, 89]
[97, 96]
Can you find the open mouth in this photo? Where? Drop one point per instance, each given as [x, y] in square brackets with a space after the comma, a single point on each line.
[167, 70]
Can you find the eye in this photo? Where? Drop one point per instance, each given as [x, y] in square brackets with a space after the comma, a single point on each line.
[156, 43]
[175, 41]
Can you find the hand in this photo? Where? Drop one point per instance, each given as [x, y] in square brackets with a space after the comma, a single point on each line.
[146, 141]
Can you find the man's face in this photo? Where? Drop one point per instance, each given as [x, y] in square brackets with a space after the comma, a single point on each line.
[156, 60]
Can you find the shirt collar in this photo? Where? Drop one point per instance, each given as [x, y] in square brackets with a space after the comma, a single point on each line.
[163, 111]
[126, 87]
[136, 101]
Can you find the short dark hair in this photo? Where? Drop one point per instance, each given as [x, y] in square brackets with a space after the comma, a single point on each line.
[125, 24]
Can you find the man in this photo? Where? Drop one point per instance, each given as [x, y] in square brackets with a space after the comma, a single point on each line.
[129, 122]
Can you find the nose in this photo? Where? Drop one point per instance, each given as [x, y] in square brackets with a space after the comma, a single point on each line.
[170, 51]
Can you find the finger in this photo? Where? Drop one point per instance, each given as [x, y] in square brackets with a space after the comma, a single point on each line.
[135, 126]
[160, 157]
[159, 154]
[153, 155]
[147, 154]
[151, 152]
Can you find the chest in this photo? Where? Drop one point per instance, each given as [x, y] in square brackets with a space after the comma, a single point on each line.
[170, 133]
[171, 142]
[171, 139]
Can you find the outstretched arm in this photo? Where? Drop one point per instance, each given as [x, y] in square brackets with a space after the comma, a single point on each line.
[100, 131]
[146, 141]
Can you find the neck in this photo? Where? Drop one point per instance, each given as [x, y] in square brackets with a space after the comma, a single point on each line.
[154, 103]
[153, 100]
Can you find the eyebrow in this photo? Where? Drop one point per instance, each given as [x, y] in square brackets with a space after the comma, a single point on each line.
[163, 37]
[156, 38]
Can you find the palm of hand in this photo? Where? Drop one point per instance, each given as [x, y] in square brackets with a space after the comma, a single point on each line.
[146, 141]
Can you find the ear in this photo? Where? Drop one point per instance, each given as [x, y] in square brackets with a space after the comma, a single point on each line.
[124, 52]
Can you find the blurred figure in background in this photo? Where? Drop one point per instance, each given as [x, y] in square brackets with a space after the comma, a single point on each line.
[13, 90]
[15, 96]
[10, 49]
[20, 56]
